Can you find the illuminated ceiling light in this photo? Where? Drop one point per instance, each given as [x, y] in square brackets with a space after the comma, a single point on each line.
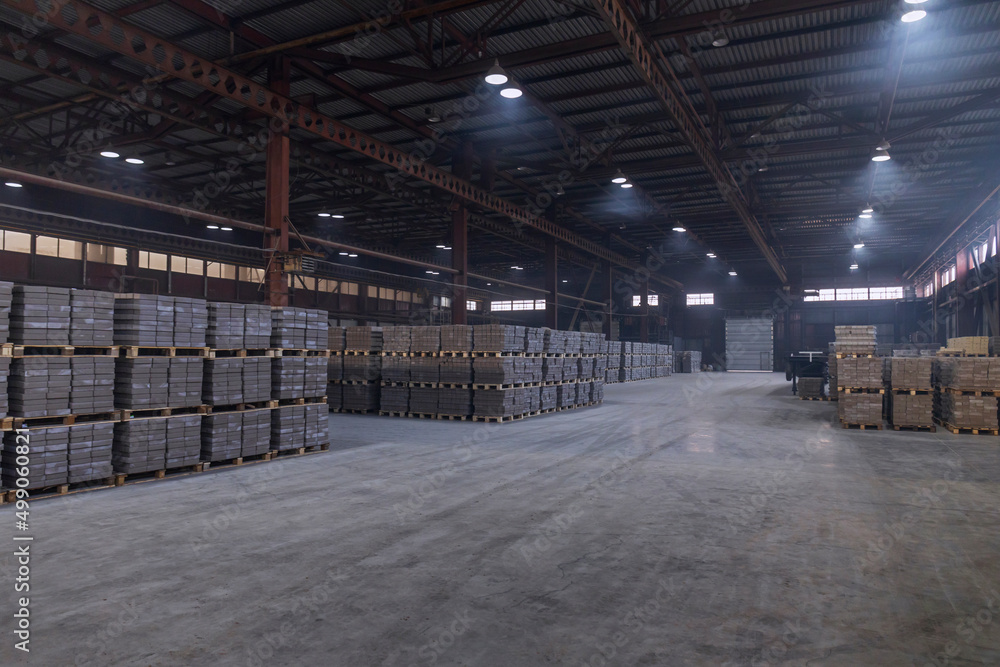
[344, 254]
[496, 76]
[337, 216]
[109, 154]
[353, 254]
[226, 229]
[678, 228]
[720, 39]
[859, 245]
[868, 209]
[134, 160]
[710, 254]
[565, 281]
[323, 215]
[440, 246]
[915, 15]
[626, 185]
[511, 92]
[13, 184]
[619, 178]
[915, 2]
[559, 190]
[881, 155]
[732, 273]
[854, 267]
[429, 272]
[213, 226]
[763, 167]
[866, 216]
[489, 283]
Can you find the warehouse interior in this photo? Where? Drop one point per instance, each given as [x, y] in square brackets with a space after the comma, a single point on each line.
[500, 332]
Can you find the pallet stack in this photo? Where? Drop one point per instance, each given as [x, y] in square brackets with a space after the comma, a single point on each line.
[688, 361]
[967, 346]
[613, 350]
[909, 402]
[831, 367]
[859, 377]
[812, 388]
[965, 398]
[362, 368]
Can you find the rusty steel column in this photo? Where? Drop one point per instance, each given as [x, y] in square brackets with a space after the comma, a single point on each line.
[276, 197]
[551, 284]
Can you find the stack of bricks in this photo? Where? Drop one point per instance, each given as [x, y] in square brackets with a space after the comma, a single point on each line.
[362, 369]
[860, 390]
[156, 443]
[688, 361]
[6, 293]
[226, 325]
[972, 346]
[89, 452]
[966, 392]
[613, 349]
[143, 320]
[335, 367]
[256, 379]
[185, 378]
[256, 327]
[49, 456]
[91, 318]
[317, 421]
[811, 387]
[142, 383]
[190, 322]
[299, 328]
[910, 402]
[222, 436]
[40, 386]
[40, 315]
[288, 377]
[317, 330]
[92, 389]
[855, 339]
[223, 381]
[288, 428]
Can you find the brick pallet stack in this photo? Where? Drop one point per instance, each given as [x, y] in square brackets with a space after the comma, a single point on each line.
[456, 369]
[969, 346]
[6, 296]
[910, 401]
[40, 315]
[966, 393]
[362, 368]
[335, 367]
[495, 371]
[811, 388]
[859, 377]
[256, 327]
[61, 455]
[688, 361]
[831, 367]
[425, 369]
[394, 393]
[299, 377]
[613, 349]
[91, 318]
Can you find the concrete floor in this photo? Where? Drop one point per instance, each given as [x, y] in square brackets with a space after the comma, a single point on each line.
[695, 520]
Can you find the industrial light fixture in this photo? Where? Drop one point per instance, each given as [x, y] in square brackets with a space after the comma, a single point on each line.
[854, 267]
[915, 2]
[881, 152]
[517, 268]
[915, 15]
[226, 229]
[866, 216]
[323, 215]
[213, 226]
[110, 154]
[626, 185]
[496, 76]
[763, 167]
[511, 92]
[868, 209]
[720, 39]
[565, 281]
[859, 245]
[678, 228]
[337, 216]
[353, 254]
[344, 254]
[134, 160]
[710, 254]
[732, 273]
[13, 184]
[447, 247]
[619, 178]
[440, 246]
[559, 190]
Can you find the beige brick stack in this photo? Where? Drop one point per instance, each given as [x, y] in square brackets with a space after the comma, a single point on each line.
[966, 393]
[859, 377]
[910, 403]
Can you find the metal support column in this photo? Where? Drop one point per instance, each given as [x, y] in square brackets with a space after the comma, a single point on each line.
[551, 284]
[460, 239]
[276, 196]
[644, 320]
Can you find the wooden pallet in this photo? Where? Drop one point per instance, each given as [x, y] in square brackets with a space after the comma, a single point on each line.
[298, 451]
[238, 352]
[814, 398]
[912, 427]
[966, 431]
[395, 383]
[453, 385]
[516, 385]
[424, 354]
[296, 352]
[855, 355]
[63, 350]
[359, 353]
[242, 407]
[390, 353]
[238, 461]
[456, 353]
[912, 392]
[135, 351]
[480, 353]
[459, 418]
[963, 392]
[122, 478]
[387, 413]
[7, 350]
[958, 353]
[860, 390]
[312, 400]
[863, 427]
[423, 385]
[126, 415]
[14, 423]
[496, 420]
[59, 490]
[421, 415]
[354, 412]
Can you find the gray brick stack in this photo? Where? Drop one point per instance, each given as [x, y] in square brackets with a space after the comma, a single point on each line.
[184, 382]
[140, 445]
[6, 296]
[226, 325]
[143, 319]
[91, 318]
[89, 452]
[425, 339]
[317, 420]
[288, 377]
[93, 385]
[183, 440]
[39, 386]
[4, 374]
[256, 327]
[336, 338]
[363, 339]
[49, 464]
[190, 324]
[142, 383]
[256, 379]
[456, 338]
[498, 338]
[317, 330]
[256, 432]
[40, 315]
[314, 382]
[222, 436]
[288, 427]
[395, 339]
[223, 380]
[394, 399]
[288, 328]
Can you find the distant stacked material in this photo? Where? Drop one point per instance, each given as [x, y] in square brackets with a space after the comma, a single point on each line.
[6, 296]
[314, 384]
[256, 432]
[552, 369]
[183, 440]
[4, 374]
[586, 367]
[598, 393]
[140, 445]
[831, 366]
[256, 327]
[190, 325]
[498, 338]
[138, 321]
[394, 399]
[424, 400]
[911, 373]
[496, 402]
[288, 376]
[336, 338]
[288, 328]
[454, 402]
[601, 366]
[855, 339]
[360, 397]
[425, 369]
[861, 408]
[396, 339]
[222, 436]
[92, 388]
[89, 451]
[495, 370]
[317, 425]
[456, 338]
[364, 339]
[994, 346]
[591, 343]
[425, 339]
[39, 315]
[688, 361]
[966, 411]
[555, 341]
[456, 370]
[971, 345]
[534, 340]
[363, 367]
[49, 458]
[317, 330]
[571, 369]
[226, 325]
[142, 383]
[968, 373]
[39, 386]
[185, 379]
[91, 317]
[395, 369]
[335, 396]
[574, 342]
[256, 379]
[811, 387]
[905, 409]
[288, 427]
[958, 402]
[549, 398]
[335, 367]
[566, 395]
[223, 381]
[614, 351]
[860, 372]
